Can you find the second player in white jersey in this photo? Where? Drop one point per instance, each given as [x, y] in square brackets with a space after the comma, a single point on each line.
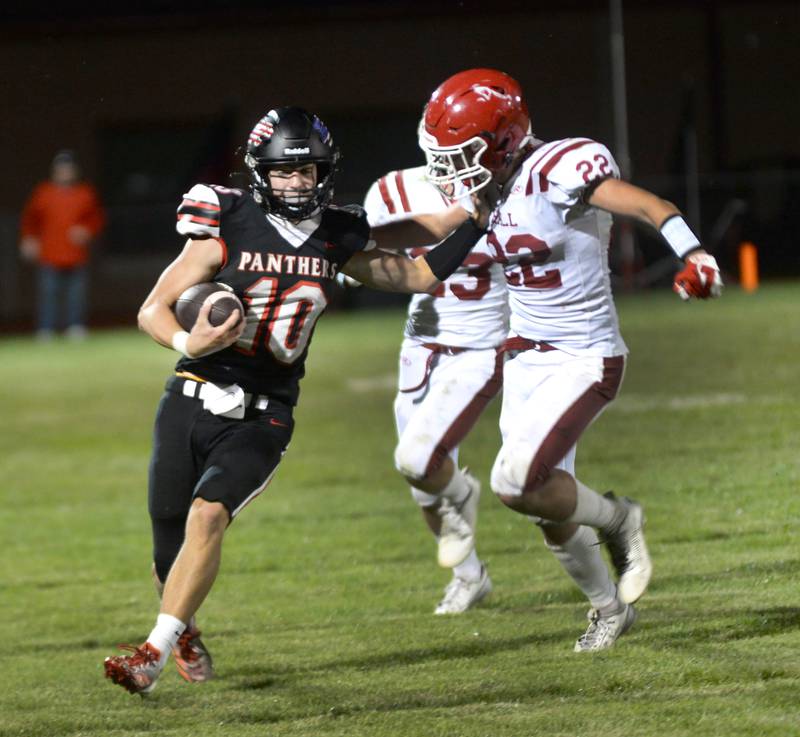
[450, 369]
[469, 309]
[565, 355]
[554, 247]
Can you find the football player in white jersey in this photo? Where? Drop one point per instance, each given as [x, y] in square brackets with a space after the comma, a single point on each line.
[565, 356]
[450, 369]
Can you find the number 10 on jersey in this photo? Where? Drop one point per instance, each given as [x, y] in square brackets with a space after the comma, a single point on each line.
[280, 321]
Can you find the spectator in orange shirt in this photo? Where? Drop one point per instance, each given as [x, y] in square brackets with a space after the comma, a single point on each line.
[59, 221]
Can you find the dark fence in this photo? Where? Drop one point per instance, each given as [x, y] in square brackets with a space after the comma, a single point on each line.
[729, 208]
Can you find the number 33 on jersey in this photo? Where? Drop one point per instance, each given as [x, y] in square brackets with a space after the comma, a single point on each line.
[280, 271]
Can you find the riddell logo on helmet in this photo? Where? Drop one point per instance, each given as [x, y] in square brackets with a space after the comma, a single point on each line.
[302, 150]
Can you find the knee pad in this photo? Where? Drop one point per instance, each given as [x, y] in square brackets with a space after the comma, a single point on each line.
[423, 499]
[412, 456]
[504, 476]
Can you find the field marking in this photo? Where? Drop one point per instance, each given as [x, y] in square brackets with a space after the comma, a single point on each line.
[632, 403]
[627, 403]
[368, 384]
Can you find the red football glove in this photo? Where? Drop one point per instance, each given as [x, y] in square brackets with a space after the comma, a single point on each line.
[700, 278]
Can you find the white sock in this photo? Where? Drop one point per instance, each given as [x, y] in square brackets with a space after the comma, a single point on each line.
[457, 489]
[470, 569]
[165, 634]
[595, 510]
[580, 557]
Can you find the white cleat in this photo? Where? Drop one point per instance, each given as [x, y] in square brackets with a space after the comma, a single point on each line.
[629, 551]
[457, 534]
[461, 594]
[605, 630]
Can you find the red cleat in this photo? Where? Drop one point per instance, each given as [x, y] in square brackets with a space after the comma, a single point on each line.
[136, 673]
[192, 658]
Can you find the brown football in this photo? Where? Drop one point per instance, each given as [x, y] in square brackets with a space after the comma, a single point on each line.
[224, 302]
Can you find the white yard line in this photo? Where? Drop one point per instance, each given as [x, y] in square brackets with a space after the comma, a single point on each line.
[642, 403]
[366, 384]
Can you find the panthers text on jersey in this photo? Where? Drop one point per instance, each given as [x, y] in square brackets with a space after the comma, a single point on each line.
[469, 309]
[281, 271]
[554, 248]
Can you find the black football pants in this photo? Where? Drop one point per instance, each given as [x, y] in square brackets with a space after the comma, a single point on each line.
[198, 454]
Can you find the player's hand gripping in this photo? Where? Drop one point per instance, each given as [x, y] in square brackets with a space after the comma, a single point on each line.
[699, 278]
[204, 338]
[484, 201]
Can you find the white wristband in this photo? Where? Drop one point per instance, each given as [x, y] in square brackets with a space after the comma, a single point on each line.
[179, 341]
[679, 235]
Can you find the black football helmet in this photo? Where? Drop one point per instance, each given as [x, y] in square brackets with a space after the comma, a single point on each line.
[291, 135]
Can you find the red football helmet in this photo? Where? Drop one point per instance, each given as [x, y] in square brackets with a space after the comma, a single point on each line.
[473, 124]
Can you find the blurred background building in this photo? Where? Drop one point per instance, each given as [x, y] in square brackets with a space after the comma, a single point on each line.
[158, 95]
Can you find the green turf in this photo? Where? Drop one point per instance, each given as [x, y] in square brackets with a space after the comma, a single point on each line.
[321, 619]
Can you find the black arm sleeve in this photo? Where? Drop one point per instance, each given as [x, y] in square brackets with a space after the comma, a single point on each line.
[451, 252]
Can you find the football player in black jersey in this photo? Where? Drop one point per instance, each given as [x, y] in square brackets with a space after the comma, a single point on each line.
[225, 418]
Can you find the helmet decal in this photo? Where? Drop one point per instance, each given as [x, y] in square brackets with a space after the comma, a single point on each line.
[322, 131]
[264, 129]
[486, 93]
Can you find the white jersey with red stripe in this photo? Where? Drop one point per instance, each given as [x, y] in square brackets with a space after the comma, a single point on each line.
[554, 248]
[469, 310]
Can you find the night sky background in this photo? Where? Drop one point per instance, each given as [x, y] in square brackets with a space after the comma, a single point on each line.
[158, 97]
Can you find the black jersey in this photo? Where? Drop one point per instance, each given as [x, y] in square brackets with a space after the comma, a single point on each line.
[281, 272]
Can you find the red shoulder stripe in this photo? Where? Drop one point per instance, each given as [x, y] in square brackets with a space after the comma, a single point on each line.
[543, 152]
[544, 185]
[384, 190]
[199, 220]
[201, 204]
[401, 188]
[548, 167]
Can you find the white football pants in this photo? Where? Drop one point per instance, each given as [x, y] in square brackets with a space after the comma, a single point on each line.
[439, 399]
[549, 399]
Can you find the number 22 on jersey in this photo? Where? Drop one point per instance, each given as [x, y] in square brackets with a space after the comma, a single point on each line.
[282, 321]
[520, 273]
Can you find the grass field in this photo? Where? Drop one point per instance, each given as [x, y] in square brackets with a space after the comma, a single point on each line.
[321, 622]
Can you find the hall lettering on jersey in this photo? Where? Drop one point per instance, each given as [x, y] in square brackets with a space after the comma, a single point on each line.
[504, 219]
[282, 263]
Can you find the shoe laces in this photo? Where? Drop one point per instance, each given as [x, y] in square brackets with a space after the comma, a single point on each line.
[623, 545]
[455, 592]
[186, 645]
[599, 627]
[144, 655]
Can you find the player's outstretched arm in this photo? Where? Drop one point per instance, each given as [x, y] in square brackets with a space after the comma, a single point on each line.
[198, 262]
[418, 230]
[700, 277]
[394, 272]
